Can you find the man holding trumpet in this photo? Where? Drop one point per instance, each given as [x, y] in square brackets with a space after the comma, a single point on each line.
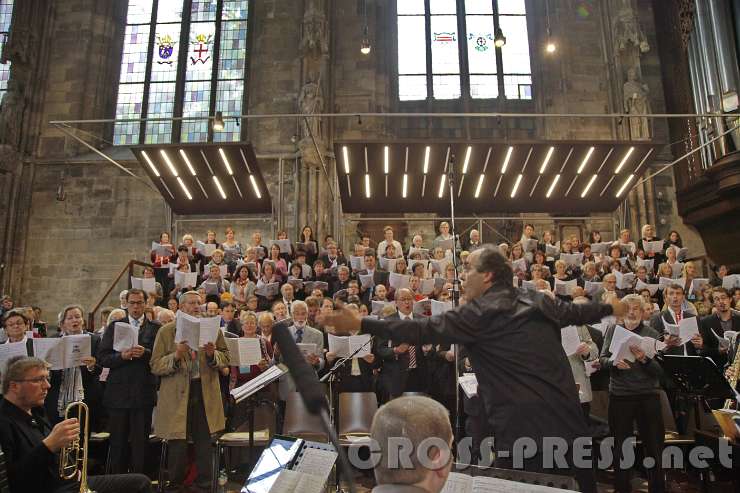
[32, 446]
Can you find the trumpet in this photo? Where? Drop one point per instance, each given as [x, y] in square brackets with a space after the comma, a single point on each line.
[73, 457]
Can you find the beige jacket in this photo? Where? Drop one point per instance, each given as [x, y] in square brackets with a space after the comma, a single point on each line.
[170, 421]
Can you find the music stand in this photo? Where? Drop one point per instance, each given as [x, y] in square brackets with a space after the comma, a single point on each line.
[698, 378]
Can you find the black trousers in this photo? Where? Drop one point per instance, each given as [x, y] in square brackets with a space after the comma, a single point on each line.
[646, 411]
[199, 433]
[112, 483]
[129, 438]
[585, 477]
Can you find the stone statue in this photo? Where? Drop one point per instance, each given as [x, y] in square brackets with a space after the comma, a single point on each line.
[18, 52]
[636, 102]
[627, 30]
[314, 33]
[311, 101]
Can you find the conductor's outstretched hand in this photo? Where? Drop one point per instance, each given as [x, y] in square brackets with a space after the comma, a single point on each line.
[341, 321]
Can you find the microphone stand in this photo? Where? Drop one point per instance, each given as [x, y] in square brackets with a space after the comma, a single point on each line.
[459, 432]
[330, 423]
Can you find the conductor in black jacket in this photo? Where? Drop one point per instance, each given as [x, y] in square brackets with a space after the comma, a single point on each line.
[131, 388]
[513, 340]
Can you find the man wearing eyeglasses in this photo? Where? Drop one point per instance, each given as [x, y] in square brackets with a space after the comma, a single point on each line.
[131, 388]
[32, 446]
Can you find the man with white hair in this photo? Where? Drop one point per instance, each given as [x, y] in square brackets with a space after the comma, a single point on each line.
[122, 298]
[633, 397]
[303, 334]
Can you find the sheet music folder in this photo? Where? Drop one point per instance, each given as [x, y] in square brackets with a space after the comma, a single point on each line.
[285, 453]
[697, 375]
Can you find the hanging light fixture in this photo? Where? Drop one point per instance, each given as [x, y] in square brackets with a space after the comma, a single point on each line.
[365, 45]
[550, 45]
[499, 40]
[218, 121]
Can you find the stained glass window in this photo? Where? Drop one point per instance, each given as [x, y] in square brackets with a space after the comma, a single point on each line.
[181, 62]
[447, 45]
[6, 12]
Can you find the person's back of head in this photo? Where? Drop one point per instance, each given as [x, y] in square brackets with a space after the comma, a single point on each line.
[415, 439]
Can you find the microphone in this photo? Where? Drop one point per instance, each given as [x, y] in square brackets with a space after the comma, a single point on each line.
[306, 381]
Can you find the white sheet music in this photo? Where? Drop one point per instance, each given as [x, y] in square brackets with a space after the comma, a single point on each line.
[591, 287]
[398, 281]
[366, 280]
[50, 350]
[9, 350]
[462, 483]
[307, 348]
[270, 289]
[427, 286]
[146, 284]
[357, 263]
[125, 336]
[317, 462]
[565, 288]
[344, 346]
[439, 307]
[569, 339]
[187, 329]
[469, 383]
[185, 279]
[244, 351]
[76, 347]
[640, 285]
[622, 339]
[290, 481]
[209, 328]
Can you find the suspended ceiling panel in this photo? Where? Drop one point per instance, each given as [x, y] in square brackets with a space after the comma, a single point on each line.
[550, 177]
[206, 178]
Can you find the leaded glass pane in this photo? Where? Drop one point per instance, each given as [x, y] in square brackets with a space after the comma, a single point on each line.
[410, 7]
[135, 49]
[483, 86]
[481, 50]
[165, 52]
[6, 12]
[515, 53]
[169, 11]
[412, 87]
[196, 103]
[235, 9]
[479, 7]
[128, 106]
[200, 51]
[446, 86]
[203, 10]
[443, 7]
[139, 12]
[445, 55]
[511, 7]
[233, 49]
[161, 105]
[229, 95]
[518, 86]
[411, 45]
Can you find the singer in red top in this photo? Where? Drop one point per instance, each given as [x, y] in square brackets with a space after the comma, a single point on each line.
[509, 334]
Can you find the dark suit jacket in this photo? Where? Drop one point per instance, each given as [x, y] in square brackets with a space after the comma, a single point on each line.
[394, 367]
[379, 277]
[130, 383]
[31, 466]
[235, 327]
[327, 263]
[91, 384]
[710, 327]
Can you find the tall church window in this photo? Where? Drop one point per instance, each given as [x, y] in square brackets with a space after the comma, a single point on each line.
[446, 50]
[182, 58]
[6, 12]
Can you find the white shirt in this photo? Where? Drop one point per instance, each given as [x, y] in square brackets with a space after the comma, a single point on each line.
[383, 244]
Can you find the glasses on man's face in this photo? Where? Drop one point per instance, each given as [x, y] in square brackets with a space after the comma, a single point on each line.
[135, 302]
[36, 380]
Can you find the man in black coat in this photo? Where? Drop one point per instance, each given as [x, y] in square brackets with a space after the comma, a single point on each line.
[131, 388]
[714, 326]
[379, 276]
[513, 340]
[31, 445]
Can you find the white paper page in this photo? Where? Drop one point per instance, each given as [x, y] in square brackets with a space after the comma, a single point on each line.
[9, 350]
[731, 281]
[307, 348]
[552, 250]
[648, 264]
[388, 264]
[687, 328]
[244, 351]
[697, 284]
[377, 306]
[591, 366]
[619, 336]
[76, 347]
[529, 285]
[270, 289]
[591, 287]
[653, 246]
[565, 288]
[422, 307]
[677, 269]
[136, 282]
[483, 484]
[529, 245]
[360, 341]
[50, 349]
[210, 287]
[458, 483]
[469, 384]
[427, 286]
[519, 265]
[184, 279]
[357, 263]
[317, 462]
[623, 351]
[574, 259]
[640, 285]
[366, 280]
[398, 281]
[664, 282]
[439, 307]
[124, 337]
[569, 339]
[339, 345]
[446, 244]
[209, 328]
[439, 266]
[187, 329]
[424, 252]
[283, 244]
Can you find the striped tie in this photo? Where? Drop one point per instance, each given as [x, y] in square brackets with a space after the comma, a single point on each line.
[412, 357]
